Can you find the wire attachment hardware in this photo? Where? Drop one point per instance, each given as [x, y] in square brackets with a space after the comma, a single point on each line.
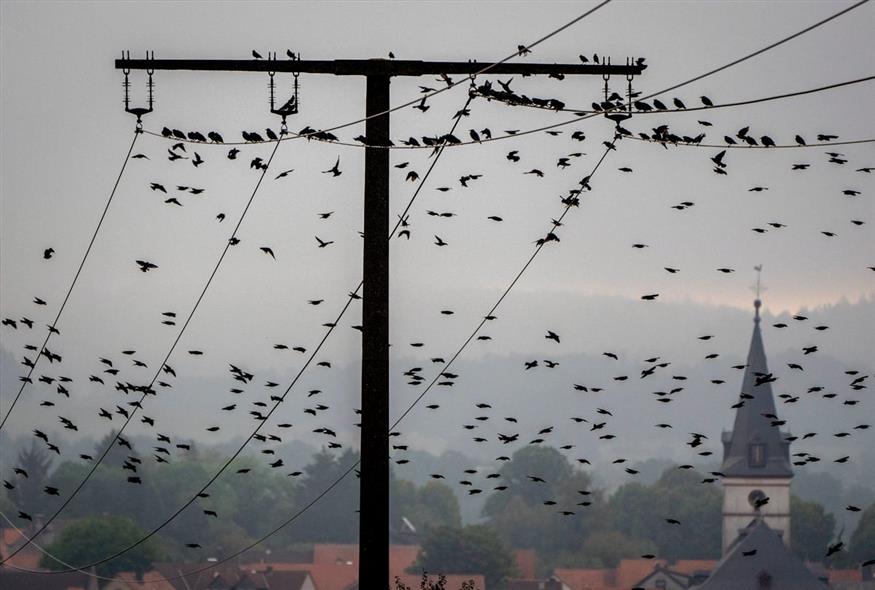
[290, 107]
[150, 90]
[617, 114]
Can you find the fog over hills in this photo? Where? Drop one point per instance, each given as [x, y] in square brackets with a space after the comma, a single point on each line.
[537, 398]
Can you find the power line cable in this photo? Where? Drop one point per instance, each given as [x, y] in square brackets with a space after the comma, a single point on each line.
[709, 72]
[53, 326]
[580, 112]
[504, 294]
[684, 110]
[754, 147]
[766, 48]
[148, 388]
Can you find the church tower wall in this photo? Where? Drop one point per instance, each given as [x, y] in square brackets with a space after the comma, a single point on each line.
[739, 508]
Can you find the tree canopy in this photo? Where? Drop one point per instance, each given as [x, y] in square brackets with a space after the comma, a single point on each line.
[473, 549]
[811, 529]
[863, 539]
[92, 539]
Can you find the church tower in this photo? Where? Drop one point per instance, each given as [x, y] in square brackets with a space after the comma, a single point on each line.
[756, 455]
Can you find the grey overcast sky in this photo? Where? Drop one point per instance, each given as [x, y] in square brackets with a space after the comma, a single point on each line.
[65, 134]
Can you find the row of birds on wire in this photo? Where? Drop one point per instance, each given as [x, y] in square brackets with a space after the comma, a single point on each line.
[718, 160]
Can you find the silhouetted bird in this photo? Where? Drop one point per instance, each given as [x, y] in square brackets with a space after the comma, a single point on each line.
[334, 170]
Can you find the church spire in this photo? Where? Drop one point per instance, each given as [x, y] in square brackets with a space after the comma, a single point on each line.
[756, 446]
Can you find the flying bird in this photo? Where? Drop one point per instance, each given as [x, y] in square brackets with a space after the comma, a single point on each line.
[268, 251]
[146, 266]
[334, 170]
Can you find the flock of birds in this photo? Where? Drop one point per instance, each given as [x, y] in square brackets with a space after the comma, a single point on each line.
[113, 372]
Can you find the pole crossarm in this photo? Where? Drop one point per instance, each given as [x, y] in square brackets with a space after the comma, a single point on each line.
[375, 67]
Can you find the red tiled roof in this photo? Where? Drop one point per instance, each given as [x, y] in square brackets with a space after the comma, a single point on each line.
[401, 557]
[525, 562]
[154, 580]
[631, 571]
[584, 579]
[335, 553]
[854, 575]
[326, 576]
[690, 566]
[10, 536]
[196, 578]
[27, 559]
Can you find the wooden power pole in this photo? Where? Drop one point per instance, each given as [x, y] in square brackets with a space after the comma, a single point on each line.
[374, 483]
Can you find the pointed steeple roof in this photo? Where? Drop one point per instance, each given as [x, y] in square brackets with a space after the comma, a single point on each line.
[760, 559]
[742, 454]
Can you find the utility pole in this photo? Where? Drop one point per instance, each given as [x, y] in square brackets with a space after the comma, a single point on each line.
[374, 483]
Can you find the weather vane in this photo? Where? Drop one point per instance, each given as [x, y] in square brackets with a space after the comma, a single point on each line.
[758, 288]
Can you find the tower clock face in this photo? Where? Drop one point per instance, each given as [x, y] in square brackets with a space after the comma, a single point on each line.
[755, 498]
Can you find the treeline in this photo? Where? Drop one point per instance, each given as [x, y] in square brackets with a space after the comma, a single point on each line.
[248, 501]
[251, 499]
[634, 520]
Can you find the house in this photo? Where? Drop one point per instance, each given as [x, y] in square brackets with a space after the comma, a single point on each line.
[585, 579]
[334, 566]
[325, 576]
[11, 539]
[627, 573]
[169, 577]
[853, 579]
[152, 580]
[663, 578]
